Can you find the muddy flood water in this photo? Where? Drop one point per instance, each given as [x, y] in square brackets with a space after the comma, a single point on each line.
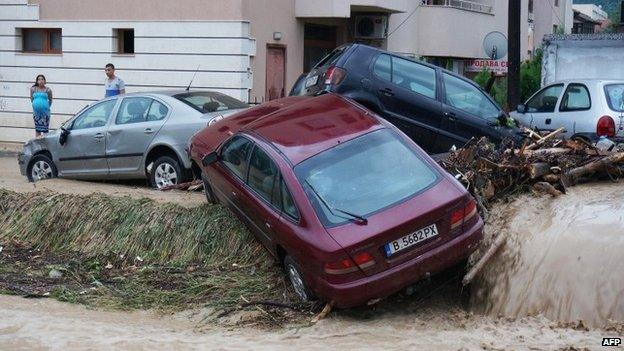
[563, 262]
[564, 258]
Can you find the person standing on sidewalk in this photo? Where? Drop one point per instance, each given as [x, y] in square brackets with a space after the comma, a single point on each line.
[113, 84]
[41, 98]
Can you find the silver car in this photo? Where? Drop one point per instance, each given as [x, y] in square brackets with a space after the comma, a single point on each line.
[141, 135]
[585, 108]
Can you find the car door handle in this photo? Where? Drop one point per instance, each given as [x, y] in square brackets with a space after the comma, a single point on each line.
[451, 116]
[267, 224]
[234, 193]
[548, 120]
[387, 92]
[98, 136]
[148, 131]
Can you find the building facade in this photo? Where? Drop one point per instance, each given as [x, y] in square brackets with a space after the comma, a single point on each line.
[253, 50]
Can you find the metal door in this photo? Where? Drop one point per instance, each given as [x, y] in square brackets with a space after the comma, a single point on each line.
[136, 123]
[275, 72]
[84, 153]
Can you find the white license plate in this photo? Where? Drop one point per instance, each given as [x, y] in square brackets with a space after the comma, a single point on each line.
[311, 81]
[410, 240]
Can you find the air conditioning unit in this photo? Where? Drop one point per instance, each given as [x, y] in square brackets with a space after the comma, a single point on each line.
[370, 26]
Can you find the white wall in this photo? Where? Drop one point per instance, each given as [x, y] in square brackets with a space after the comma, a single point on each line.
[167, 53]
[600, 59]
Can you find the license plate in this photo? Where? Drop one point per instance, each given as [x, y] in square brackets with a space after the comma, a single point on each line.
[410, 240]
[311, 81]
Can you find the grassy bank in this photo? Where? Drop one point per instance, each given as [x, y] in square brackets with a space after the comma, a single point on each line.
[131, 253]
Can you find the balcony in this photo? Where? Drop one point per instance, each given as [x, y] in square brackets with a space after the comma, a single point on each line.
[483, 6]
[343, 8]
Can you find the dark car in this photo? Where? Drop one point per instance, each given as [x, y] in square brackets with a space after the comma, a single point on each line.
[435, 107]
[351, 206]
[298, 88]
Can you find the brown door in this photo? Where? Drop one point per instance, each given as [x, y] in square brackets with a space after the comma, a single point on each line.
[275, 72]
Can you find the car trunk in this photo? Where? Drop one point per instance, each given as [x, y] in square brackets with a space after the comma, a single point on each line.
[434, 206]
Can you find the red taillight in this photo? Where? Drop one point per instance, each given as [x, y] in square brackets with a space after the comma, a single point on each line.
[605, 127]
[462, 215]
[344, 266]
[335, 75]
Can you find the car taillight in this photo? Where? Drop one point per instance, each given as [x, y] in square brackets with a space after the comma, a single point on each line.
[463, 215]
[362, 260]
[335, 75]
[605, 127]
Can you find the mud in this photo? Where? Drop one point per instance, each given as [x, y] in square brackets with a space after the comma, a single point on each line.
[10, 178]
[563, 258]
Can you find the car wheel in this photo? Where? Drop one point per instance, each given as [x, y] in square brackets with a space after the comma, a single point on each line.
[41, 167]
[166, 171]
[296, 279]
[210, 195]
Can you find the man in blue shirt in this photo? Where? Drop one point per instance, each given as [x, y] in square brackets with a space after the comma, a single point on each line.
[113, 84]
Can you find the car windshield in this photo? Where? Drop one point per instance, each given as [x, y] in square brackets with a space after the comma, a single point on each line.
[206, 102]
[615, 96]
[363, 176]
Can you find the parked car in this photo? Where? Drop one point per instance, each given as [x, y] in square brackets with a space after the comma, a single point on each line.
[142, 135]
[299, 87]
[586, 108]
[351, 206]
[435, 107]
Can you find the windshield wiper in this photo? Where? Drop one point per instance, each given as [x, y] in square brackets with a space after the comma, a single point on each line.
[334, 210]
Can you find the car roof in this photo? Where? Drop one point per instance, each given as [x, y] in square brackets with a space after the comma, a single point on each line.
[588, 81]
[303, 126]
[169, 92]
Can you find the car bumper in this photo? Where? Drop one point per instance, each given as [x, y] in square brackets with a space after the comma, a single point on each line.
[398, 278]
[23, 160]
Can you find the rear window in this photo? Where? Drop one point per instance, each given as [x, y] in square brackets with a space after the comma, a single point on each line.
[209, 101]
[615, 96]
[363, 176]
[332, 57]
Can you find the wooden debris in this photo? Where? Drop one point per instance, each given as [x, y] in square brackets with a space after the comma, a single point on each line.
[324, 312]
[190, 186]
[472, 273]
[539, 169]
[543, 140]
[545, 187]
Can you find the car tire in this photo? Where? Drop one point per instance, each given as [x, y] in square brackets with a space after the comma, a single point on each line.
[210, 195]
[166, 171]
[296, 278]
[41, 167]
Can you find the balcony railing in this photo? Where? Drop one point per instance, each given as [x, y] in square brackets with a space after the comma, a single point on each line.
[484, 7]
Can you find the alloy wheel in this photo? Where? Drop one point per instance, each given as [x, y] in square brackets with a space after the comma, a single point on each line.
[41, 170]
[166, 175]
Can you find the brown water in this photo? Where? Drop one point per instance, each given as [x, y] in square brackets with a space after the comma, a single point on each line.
[564, 258]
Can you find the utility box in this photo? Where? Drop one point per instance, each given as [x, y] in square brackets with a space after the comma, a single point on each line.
[583, 56]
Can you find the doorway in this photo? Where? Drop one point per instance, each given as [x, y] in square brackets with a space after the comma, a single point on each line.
[317, 43]
[275, 72]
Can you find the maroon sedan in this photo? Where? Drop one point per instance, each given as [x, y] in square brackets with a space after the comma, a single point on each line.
[353, 208]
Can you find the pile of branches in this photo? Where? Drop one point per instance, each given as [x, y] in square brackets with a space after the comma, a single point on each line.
[542, 163]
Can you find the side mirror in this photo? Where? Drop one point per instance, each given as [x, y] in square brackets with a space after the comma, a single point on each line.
[63, 136]
[210, 158]
[521, 108]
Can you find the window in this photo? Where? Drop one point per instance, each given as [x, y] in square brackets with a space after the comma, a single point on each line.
[40, 40]
[332, 57]
[576, 98]
[288, 205]
[206, 102]
[414, 76]
[545, 100]
[125, 41]
[234, 155]
[133, 110]
[468, 98]
[262, 174]
[363, 176]
[157, 111]
[96, 116]
[383, 67]
[615, 96]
